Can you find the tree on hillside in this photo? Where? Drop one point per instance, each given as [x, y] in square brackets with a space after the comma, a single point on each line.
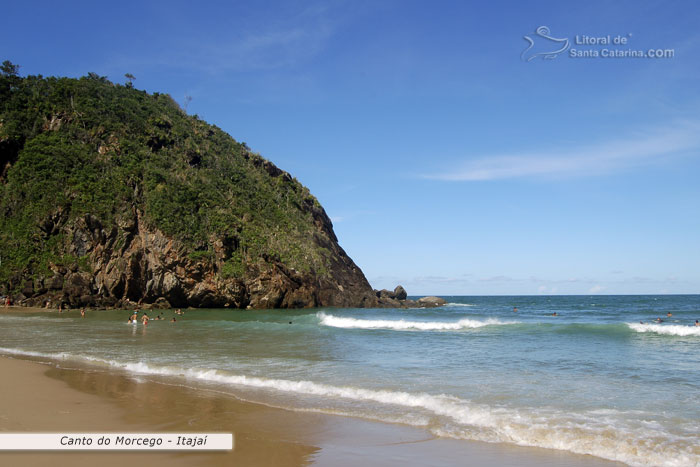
[94, 76]
[131, 78]
[9, 69]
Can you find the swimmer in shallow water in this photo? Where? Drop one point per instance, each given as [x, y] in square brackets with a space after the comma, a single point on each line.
[696, 323]
[555, 314]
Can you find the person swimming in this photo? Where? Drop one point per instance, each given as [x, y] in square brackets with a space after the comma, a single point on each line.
[659, 320]
[696, 323]
[515, 309]
[555, 314]
[669, 314]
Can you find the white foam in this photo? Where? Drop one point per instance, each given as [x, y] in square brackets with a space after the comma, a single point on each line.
[30, 353]
[667, 329]
[403, 325]
[614, 435]
[461, 304]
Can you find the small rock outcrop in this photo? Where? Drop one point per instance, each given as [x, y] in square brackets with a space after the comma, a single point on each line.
[400, 293]
[399, 299]
[430, 302]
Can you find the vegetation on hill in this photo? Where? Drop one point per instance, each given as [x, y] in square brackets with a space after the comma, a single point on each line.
[76, 147]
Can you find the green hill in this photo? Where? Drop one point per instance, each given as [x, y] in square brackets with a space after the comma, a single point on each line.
[110, 195]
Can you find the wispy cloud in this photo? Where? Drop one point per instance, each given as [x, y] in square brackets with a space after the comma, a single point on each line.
[603, 158]
[498, 279]
[269, 49]
[249, 43]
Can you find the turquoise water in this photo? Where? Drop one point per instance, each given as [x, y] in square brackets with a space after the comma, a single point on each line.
[591, 380]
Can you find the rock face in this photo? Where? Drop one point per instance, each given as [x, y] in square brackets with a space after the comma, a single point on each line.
[131, 264]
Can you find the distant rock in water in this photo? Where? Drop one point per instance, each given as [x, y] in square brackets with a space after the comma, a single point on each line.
[400, 293]
[398, 299]
[111, 196]
[431, 302]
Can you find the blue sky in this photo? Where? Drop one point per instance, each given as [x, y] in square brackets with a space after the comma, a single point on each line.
[447, 161]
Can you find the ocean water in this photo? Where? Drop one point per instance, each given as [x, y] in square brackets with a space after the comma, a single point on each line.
[591, 380]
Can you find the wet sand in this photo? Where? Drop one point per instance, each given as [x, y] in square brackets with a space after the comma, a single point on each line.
[40, 397]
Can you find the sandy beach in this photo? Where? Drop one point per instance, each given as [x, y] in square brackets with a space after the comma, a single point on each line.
[80, 400]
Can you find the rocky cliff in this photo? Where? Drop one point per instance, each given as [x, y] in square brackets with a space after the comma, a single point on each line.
[111, 196]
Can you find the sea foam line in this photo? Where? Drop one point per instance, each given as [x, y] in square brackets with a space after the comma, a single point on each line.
[403, 325]
[668, 329]
[582, 433]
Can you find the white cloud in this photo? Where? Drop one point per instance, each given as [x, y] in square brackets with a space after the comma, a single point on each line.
[596, 289]
[638, 149]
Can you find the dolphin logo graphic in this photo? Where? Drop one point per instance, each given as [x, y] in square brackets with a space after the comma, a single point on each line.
[542, 37]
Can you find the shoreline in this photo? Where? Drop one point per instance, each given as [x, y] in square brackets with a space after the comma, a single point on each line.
[27, 309]
[84, 400]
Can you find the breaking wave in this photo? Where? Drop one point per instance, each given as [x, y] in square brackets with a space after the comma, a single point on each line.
[669, 329]
[403, 325]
